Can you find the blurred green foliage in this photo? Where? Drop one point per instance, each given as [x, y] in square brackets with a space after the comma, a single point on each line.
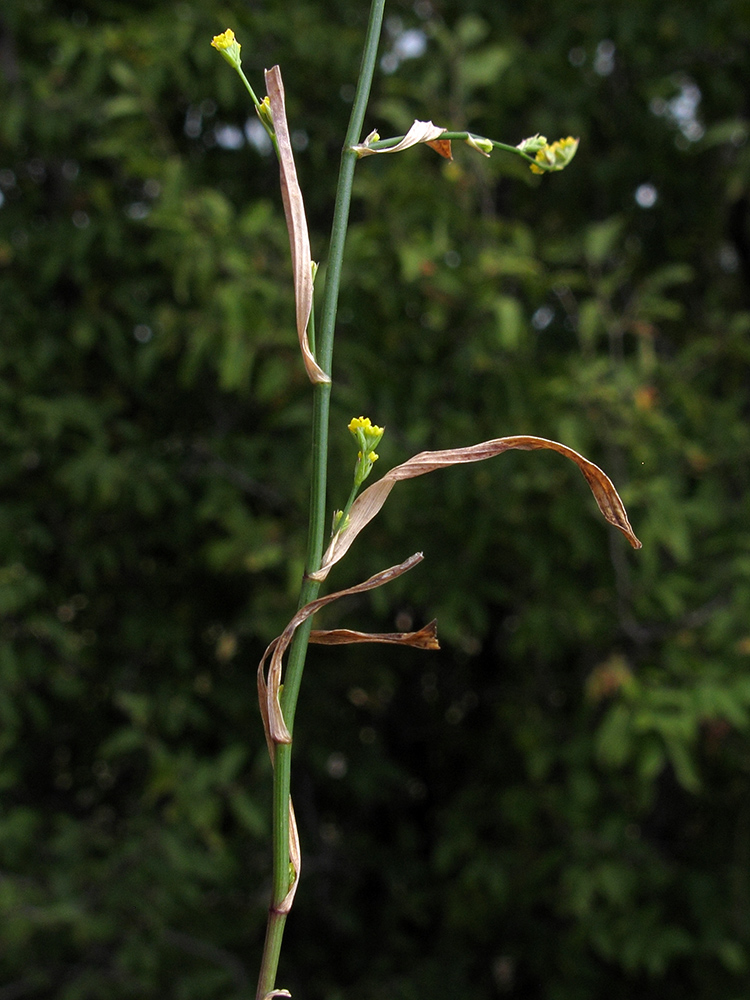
[555, 806]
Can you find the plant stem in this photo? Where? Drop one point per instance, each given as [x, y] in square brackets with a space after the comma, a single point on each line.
[317, 518]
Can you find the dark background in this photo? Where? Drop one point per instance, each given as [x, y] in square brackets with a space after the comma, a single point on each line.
[556, 806]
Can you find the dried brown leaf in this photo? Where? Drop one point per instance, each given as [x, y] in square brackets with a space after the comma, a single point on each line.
[295, 858]
[275, 728]
[425, 638]
[296, 222]
[368, 504]
[269, 687]
[442, 146]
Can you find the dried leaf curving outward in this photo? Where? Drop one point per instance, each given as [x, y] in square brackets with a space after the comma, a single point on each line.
[369, 503]
[419, 132]
[269, 688]
[294, 210]
[425, 638]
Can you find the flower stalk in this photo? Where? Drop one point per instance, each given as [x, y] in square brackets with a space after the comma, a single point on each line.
[542, 157]
[227, 46]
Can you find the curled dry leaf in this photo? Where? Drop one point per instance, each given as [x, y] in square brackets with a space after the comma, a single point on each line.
[269, 687]
[425, 638]
[296, 222]
[295, 854]
[295, 859]
[369, 503]
[419, 132]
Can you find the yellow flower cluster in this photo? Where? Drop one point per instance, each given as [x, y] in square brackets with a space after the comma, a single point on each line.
[555, 156]
[224, 40]
[368, 437]
[366, 424]
[372, 433]
[228, 46]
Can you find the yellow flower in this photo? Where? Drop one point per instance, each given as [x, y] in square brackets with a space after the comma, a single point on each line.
[365, 424]
[367, 435]
[555, 156]
[228, 46]
[223, 41]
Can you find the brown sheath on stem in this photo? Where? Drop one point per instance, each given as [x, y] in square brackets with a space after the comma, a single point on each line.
[296, 223]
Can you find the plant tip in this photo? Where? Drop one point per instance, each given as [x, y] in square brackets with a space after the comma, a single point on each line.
[228, 46]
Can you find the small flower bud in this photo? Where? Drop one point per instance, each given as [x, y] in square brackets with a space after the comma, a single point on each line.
[533, 144]
[263, 111]
[482, 145]
[339, 523]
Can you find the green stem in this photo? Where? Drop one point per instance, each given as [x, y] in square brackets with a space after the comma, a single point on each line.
[249, 89]
[258, 105]
[317, 520]
[348, 505]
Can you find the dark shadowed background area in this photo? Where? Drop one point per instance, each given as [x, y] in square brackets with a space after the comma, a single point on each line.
[555, 806]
